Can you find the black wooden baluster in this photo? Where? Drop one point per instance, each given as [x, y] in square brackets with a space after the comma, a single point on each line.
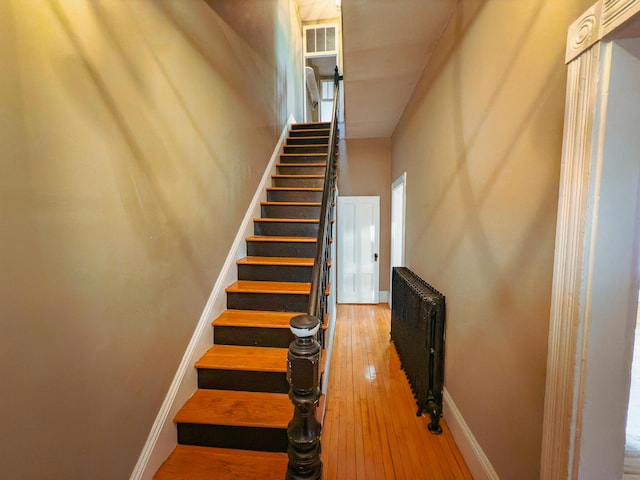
[303, 370]
[303, 374]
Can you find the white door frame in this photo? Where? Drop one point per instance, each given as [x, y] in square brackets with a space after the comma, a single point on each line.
[397, 236]
[582, 403]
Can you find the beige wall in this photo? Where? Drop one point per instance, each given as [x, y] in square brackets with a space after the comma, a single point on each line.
[481, 144]
[133, 137]
[365, 170]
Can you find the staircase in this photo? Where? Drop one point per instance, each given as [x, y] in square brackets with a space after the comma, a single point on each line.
[235, 424]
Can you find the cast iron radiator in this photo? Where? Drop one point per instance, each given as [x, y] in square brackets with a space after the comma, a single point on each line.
[417, 329]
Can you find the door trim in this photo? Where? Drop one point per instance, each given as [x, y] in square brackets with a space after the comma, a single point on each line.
[401, 180]
[570, 333]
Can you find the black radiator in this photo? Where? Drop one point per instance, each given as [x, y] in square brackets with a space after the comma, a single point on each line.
[417, 329]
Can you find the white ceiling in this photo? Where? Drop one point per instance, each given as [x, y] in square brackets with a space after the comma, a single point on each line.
[386, 46]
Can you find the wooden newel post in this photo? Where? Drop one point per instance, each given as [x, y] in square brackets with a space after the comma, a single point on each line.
[303, 374]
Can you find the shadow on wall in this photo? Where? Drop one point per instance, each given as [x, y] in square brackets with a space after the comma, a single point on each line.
[249, 18]
[239, 76]
[251, 51]
[139, 185]
[461, 176]
[248, 21]
[473, 204]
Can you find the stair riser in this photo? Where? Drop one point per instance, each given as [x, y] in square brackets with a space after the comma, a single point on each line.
[274, 273]
[286, 229]
[242, 380]
[268, 301]
[308, 140]
[305, 149]
[281, 249]
[253, 337]
[317, 132]
[303, 158]
[298, 182]
[297, 170]
[293, 196]
[290, 211]
[311, 126]
[241, 438]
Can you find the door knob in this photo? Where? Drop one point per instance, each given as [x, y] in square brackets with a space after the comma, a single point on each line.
[375, 257]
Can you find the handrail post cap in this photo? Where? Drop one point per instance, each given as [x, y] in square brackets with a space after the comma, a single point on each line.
[304, 326]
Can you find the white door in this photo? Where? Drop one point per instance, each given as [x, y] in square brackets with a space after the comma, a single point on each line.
[327, 88]
[398, 195]
[358, 249]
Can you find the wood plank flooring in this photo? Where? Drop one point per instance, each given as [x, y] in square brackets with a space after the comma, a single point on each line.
[370, 429]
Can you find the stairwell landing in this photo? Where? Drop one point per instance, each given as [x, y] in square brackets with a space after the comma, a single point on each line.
[235, 424]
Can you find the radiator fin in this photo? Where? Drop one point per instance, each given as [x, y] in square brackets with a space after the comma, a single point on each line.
[418, 331]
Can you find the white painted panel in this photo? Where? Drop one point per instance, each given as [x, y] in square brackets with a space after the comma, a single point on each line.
[398, 198]
[358, 249]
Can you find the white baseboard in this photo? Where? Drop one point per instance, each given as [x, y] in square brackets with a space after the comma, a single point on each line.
[383, 296]
[478, 463]
[163, 436]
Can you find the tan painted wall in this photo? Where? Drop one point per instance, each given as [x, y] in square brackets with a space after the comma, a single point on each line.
[133, 137]
[481, 143]
[365, 170]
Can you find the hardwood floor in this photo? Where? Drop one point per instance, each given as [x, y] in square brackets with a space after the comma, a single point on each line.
[371, 431]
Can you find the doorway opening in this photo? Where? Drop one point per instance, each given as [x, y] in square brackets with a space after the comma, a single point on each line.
[398, 208]
[632, 433]
[321, 56]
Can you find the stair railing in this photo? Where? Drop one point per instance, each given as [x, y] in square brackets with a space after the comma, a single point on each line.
[303, 369]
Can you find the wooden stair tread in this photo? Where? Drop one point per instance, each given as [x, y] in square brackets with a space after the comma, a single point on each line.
[294, 204]
[321, 164]
[309, 154]
[296, 176]
[315, 145]
[273, 238]
[233, 357]
[254, 359]
[254, 318]
[312, 136]
[188, 462]
[251, 286]
[286, 220]
[295, 189]
[288, 261]
[240, 409]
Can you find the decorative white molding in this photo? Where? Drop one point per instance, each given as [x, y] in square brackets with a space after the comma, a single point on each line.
[569, 320]
[584, 32]
[565, 320]
[600, 21]
[617, 12]
[163, 438]
[478, 463]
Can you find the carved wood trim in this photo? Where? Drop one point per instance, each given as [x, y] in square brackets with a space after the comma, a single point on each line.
[568, 265]
[584, 32]
[601, 20]
[617, 12]
[568, 324]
